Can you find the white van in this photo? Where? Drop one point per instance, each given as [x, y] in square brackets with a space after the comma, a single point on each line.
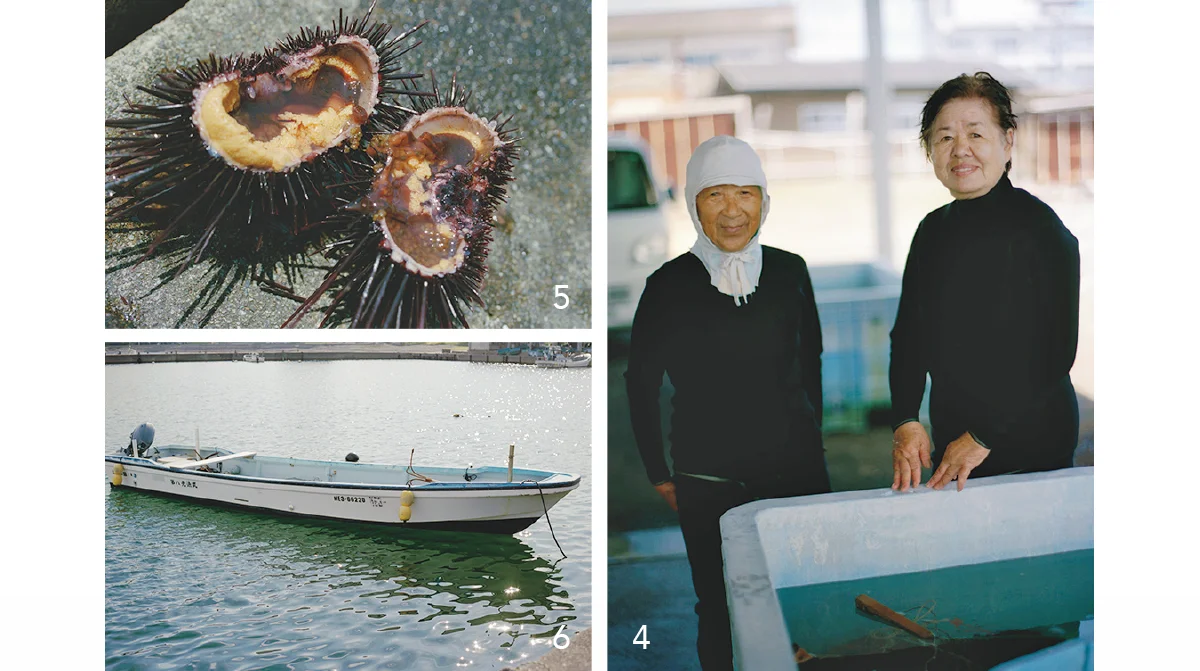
[637, 226]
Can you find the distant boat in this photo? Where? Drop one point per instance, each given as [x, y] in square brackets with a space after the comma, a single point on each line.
[561, 360]
[495, 499]
[253, 357]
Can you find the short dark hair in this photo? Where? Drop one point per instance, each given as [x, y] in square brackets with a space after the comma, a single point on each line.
[979, 85]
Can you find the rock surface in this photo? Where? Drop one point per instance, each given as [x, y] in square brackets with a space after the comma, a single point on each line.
[575, 657]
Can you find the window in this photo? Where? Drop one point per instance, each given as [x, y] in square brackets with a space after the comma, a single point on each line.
[629, 184]
[822, 117]
[905, 111]
[700, 59]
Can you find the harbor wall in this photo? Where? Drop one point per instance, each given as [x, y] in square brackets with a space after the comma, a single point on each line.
[310, 355]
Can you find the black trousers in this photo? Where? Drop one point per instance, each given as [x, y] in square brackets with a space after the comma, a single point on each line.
[701, 504]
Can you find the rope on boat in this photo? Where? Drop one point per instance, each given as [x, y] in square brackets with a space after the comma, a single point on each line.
[410, 471]
[547, 513]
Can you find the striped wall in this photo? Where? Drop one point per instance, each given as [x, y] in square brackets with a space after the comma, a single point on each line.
[672, 140]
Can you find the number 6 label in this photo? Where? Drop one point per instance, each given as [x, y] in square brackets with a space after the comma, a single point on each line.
[560, 636]
[559, 293]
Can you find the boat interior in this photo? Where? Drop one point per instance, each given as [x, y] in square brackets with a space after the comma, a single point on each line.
[250, 464]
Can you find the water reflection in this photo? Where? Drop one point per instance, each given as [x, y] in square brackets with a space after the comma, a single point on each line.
[175, 567]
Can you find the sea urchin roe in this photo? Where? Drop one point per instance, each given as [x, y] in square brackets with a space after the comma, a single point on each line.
[422, 244]
[274, 121]
[431, 194]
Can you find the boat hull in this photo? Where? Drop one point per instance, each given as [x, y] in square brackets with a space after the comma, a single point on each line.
[563, 364]
[488, 507]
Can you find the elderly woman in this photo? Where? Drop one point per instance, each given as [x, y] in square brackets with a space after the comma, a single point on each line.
[989, 307]
[734, 325]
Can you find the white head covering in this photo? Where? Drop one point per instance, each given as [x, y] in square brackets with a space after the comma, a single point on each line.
[727, 160]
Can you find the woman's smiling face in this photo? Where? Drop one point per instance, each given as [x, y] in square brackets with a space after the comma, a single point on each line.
[729, 214]
[968, 148]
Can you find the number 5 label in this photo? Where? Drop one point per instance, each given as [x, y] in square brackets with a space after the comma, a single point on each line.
[559, 293]
[642, 638]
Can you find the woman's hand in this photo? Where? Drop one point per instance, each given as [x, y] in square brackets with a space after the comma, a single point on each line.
[910, 451]
[667, 491]
[962, 456]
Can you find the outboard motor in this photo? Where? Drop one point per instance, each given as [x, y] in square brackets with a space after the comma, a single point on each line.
[140, 440]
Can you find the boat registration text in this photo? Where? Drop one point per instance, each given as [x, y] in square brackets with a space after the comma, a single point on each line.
[375, 501]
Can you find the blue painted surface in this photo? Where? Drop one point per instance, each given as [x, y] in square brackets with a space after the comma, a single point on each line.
[778, 543]
[857, 305]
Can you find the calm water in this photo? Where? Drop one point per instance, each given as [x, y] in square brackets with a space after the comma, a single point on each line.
[195, 587]
[954, 603]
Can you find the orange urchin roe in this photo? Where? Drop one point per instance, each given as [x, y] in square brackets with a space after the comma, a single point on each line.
[418, 198]
[275, 121]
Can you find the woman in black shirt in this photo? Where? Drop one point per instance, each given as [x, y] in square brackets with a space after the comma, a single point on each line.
[989, 307]
[734, 325]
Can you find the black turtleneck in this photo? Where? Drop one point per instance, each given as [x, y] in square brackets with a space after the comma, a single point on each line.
[747, 379]
[990, 310]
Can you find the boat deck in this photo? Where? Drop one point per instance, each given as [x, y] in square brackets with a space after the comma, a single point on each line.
[251, 465]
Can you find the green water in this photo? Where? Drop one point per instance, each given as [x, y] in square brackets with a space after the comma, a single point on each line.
[1048, 594]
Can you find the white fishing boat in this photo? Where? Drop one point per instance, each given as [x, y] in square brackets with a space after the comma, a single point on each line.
[497, 499]
[253, 357]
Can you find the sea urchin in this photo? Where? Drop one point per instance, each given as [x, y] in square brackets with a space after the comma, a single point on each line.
[245, 156]
[415, 254]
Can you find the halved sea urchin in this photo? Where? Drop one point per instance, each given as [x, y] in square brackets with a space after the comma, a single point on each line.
[414, 255]
[245, 156]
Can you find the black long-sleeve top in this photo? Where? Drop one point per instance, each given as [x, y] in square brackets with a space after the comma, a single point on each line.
[990, 310]
[747, 379]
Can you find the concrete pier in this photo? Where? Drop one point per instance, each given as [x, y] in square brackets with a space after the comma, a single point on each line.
[130, 353]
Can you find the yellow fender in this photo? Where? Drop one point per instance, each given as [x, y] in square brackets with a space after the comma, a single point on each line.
[118, 471]
[406, 501]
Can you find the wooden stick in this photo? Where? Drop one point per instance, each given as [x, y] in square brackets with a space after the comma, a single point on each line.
[213, 460]
[869, 605]
[800, 655]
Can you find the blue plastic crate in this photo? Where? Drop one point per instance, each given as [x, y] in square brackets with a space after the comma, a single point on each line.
[840, 372]
[857, 305]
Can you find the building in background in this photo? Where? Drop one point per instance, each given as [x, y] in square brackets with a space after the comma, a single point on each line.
[810, 118]
[1062, 128]
[1049, 42]
[1051, 45]
[665, 50]
[663, 79]
[789, 77]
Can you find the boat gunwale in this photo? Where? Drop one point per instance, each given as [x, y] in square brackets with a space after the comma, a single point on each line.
[424, 486]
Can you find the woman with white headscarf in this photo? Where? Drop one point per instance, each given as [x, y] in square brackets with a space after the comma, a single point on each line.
[734, 325]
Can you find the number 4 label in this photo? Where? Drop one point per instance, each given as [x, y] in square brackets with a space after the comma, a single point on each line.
[642, 638]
